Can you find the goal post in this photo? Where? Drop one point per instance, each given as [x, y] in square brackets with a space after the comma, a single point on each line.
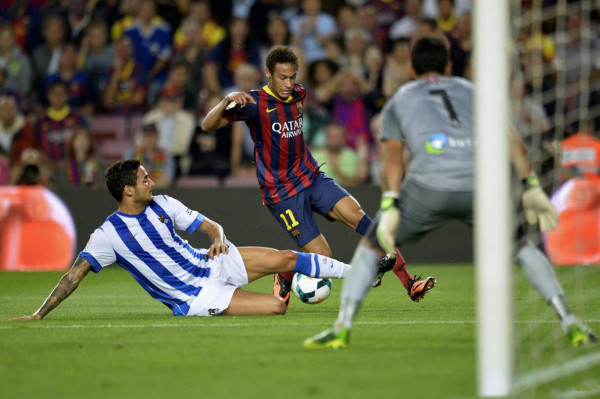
[495, 357]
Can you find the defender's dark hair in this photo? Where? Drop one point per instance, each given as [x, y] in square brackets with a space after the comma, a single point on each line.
[281, 55]
[429, 54]
[121, 174]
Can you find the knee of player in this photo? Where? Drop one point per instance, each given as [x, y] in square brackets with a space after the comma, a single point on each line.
[289, 257]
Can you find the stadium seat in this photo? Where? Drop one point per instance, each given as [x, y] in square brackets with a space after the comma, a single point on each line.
[197, 182]
[113, 150]
[106, 127]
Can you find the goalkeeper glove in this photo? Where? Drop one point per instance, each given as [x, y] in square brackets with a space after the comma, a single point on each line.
[537, 205]
[389, 220]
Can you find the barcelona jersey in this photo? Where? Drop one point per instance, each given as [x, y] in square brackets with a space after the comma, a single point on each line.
[284, 164]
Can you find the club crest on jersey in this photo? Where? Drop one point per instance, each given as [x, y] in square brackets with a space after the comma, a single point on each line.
[213, 312]
[288, 129]
[164, 219]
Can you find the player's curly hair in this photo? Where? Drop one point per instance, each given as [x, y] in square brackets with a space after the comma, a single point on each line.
[121, 174]
[429, 54]
[281, 55]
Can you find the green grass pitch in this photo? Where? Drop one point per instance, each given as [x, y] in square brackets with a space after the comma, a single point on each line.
[111, 340]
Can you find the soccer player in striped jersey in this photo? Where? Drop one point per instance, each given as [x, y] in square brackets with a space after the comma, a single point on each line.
[141, 237]
[289, 178]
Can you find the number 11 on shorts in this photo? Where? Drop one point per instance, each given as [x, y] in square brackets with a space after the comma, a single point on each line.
[293, 220]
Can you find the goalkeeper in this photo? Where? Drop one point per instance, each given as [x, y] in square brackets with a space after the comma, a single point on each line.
[432, 118]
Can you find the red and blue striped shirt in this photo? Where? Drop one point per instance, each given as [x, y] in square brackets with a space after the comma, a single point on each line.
[284, 164]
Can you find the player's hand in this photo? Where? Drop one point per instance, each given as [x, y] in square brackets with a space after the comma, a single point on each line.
[389, 220]
[26, 318]
[240, 97]
[217, 248]
[538, 207]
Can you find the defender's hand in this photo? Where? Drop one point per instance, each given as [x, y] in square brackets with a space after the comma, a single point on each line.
[538, 207]
[217, 248]
[389, 220]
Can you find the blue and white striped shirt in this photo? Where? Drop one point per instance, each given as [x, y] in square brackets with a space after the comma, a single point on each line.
[147, 246]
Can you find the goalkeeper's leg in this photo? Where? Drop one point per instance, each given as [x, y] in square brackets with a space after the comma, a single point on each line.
[540, 274]
[365, 264]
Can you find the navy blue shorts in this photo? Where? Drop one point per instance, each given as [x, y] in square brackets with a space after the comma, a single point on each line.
[296, 214]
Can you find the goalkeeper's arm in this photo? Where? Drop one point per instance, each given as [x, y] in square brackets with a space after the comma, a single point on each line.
[536, 203]
[392, 171]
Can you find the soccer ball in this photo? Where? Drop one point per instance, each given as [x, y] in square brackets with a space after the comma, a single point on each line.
[310, 289]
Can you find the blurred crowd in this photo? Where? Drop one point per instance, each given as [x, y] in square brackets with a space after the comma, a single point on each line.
[84, 83]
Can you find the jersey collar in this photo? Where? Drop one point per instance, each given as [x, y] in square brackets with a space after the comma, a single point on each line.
[268, 90]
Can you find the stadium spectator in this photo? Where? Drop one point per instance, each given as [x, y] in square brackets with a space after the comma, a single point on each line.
[179, 77]
[375, 160]
[344, 165]
[159, 165]
[347, 92]
[82, 167]
[321, 74]
[446, 19]
[278, 34]
[195, 56]
[427, 26]
[15, 63]
[16, 131]
[56, 124]
[246, 78]
[176, 126]
[124, 91]
[312, 29]
[461, 43]
[374, 64]
[293, 188]
[33, 168]
[224, 58]
[209, 33]
[152, 41]
[345, 18]
[578, 63]
[397, 66]
[96, 55]
[211, 152]
[355, 43]
[79, 15]
[334, 49]
[45, 57]
[209, 279]
[128, 10]
[431, 8]
[407, 25]
[81, 95]
[367, 20]
[26, 19]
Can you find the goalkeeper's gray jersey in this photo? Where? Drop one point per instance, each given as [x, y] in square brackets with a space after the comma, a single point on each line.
[434, 118]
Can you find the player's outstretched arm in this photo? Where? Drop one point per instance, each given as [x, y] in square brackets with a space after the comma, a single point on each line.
[65, 287]
[536, 203]
[215, 120]
[217, 237]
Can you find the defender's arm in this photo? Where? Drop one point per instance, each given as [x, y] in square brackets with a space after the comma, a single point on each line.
[65, 287]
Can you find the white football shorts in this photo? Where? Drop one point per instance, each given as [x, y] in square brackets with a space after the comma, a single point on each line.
[227, 274]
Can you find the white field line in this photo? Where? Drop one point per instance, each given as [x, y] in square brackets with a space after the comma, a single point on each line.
[548, 374]
[42, 325]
